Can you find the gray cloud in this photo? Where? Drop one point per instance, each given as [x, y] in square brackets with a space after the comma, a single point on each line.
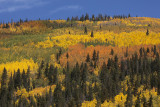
[75, 7]
[15, 5]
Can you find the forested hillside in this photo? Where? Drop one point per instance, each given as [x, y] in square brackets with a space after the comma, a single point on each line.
[97, 61]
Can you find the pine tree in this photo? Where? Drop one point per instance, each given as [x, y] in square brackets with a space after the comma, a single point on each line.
[3, 91]
[94, 57]
[97, 58]
[46, 70]
[88, 58]
[24, 79]
[90, 93]
[147, 33]
[4, 79]
[93, 17]
[18, 79]
[28, 79]
[68, 19]
[112, 52]
[138, 102]
[92, 34]
[58, 96]
[129, 102]
[67, 55]
[10, 91]
[144, 101]
[85, 30]
[129, 15]
[67, 83]
[55, 76]
[41, 67]
[87, 16]
[50, 74]
[148, 50]
[154, 50]
[150, 103]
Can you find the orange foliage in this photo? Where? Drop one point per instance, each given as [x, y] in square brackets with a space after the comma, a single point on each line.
[78, 53]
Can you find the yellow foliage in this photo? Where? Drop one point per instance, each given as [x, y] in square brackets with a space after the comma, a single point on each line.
[23, 64]
[61, 78]
[89, 103]
[96, 71]
[108, 104]
[120, 99]
[121, 40]
[41, 90]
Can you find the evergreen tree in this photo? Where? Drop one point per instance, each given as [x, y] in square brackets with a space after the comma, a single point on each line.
[93, 17]
[147, 33]
[144, 101]
[28, 79]
[88, 58]
[3, 91]
[58, 96]
[138, 102]
[97, 58]
[82, 18]
[150, 103]
[129, 15]
[87, 16]
[94, 57]
[55, 76]
[85, 30]
[92, 34]
[148, 50]
[68, 19]
[50, 74]
[24, 79]
[112, 52]
[67, 55]
[154, 50]
[18, 79]
[129, 102]
[4, 79]
[46, 70]
[10, 91]
[90, 93]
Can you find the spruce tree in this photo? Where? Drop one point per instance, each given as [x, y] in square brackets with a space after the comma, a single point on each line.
[90, 93]
[129, 102]
[92, 34]
[138, 102]
[50, 74]
[88, 58]
[150, 103]
[67, 55]
[147, 33]
[46, 70]
[112, 52]
[4, 79]
[85, 30]
[58, 96]
[55, 75]
[144, 101]
[18, 80]
[94, 57]
[87, 16]
[3, 91]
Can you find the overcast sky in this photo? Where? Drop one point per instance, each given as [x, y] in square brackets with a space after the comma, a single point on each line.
[61, 9]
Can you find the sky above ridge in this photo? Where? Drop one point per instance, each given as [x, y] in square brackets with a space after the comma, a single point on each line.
[61, 9]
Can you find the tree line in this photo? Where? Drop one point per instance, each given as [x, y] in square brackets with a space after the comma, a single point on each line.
[81, 84]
